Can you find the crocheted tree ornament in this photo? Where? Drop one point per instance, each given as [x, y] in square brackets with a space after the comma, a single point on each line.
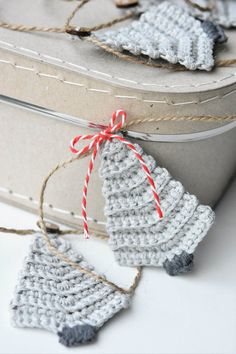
[168, 31]
[223, 12]
[53, 295]
[137, 236]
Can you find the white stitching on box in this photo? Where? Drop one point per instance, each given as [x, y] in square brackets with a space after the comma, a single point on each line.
[73, 83]
[62, 80]
[24, 49]
[52, 58]
[101, 73]
[229, 93]
[126, 80]
[77, 66]
[6, 62]
[155, 101]
[45, 75]
[184, 103]
[129, 97]
[96, 90]
[23, 67]
[211, 99]
[108, 75]
[50, 206]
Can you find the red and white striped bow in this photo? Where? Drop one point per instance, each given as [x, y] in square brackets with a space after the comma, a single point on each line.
[118, 116]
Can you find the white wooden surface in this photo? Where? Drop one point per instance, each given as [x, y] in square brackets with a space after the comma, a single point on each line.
[195, 313]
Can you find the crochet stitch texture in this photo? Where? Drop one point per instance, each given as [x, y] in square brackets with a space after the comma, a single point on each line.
[223, 12]
[137, 236]
[168, 31]
[51, 294]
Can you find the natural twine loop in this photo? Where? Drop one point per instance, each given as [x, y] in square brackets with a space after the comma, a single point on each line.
[117, 122]
[61, 255]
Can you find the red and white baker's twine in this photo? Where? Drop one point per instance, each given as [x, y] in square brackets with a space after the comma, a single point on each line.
[96, 141]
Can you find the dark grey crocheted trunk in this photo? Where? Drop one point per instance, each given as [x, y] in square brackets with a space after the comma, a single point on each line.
[179, 264]
[74, 336]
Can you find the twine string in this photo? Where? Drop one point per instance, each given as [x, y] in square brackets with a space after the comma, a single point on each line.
[26, 232]
[61, 255]
[190, 118]
[67, 28]
[85, 33]
[74, 12]
[197, 6]
[22, 232]
[150, 62]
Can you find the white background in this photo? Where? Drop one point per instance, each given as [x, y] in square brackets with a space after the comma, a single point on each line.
[194, 313]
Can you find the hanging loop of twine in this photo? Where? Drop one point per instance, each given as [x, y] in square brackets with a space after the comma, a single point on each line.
[97, 140]
[61, 255]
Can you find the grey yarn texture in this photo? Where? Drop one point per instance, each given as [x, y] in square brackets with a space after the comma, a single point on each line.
[179, 264]
[170, 32]
[79, 334]
[223, 12]
[137, 236]
[52, 295]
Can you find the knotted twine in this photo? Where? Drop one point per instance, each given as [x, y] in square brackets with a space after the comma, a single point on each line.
[96, 141]
[56, 252]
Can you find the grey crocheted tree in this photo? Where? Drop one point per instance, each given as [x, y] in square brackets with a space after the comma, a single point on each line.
[52, 295]
[168, 31]
[137, 236]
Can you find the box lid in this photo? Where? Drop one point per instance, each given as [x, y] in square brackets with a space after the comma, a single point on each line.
[72, 75]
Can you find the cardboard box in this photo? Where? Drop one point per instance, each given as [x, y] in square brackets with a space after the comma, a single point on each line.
[74, 78]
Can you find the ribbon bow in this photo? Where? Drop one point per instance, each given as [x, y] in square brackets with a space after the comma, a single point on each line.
[116, 124]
